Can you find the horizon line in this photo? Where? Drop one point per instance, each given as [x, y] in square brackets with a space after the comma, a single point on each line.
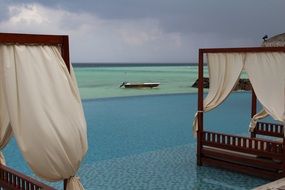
[133, 63]
[130, 64]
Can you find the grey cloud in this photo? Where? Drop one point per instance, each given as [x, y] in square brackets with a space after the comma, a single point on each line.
[233, 18]
[3, 10]
[241, 18]
[200, 23]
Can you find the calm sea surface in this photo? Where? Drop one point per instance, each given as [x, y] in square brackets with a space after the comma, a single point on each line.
[99, 82]
[145, 142]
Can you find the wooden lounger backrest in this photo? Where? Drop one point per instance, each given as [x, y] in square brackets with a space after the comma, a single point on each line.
[269, 129]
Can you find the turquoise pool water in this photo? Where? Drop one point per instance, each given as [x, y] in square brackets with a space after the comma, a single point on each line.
[146, 142]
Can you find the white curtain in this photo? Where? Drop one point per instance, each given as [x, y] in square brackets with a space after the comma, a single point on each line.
[260, 115]
[5, 127]
[44, 110]
[224, 72]
[266, 71]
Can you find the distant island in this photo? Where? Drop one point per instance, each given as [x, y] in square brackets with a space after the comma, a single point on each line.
[243, 84]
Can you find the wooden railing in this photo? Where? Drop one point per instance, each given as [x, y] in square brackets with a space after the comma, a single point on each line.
[11, 179]
[269, 129]
[262, 147]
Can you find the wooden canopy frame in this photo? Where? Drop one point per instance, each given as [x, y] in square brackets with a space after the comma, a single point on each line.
[251, 155]
[60, 40]
[9, 178]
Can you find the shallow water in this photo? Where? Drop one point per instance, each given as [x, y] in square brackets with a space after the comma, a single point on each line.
[99, 82]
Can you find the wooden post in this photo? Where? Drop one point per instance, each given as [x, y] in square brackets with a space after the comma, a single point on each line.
[200, 108]
[65, 52]
[283, 159]
[64, 184]
[253, 109]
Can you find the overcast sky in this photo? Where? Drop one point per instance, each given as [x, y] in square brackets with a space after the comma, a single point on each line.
[146, 30]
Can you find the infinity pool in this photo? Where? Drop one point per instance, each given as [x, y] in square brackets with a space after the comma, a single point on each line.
[146, 142]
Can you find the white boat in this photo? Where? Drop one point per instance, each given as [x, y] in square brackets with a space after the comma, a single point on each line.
[140, 85]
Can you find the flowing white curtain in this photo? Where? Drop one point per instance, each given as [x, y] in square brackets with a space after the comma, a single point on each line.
[44, 110]
[260, 115]
[266, 71]
[5, 127]
[224, 72]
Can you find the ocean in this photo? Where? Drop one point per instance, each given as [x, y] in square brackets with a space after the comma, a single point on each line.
[103, 81]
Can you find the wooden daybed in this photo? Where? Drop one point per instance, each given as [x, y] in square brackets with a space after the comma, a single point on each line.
[252, 155]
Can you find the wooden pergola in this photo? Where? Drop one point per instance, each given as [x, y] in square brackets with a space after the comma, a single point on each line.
[251, 155]
[9, 178]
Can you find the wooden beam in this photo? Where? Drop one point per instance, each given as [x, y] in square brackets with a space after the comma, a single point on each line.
[200, 107]
[40, 39]
[245, 159]
[242, 168]
[65, 51]
[253, 109]
[243, 50]
[31, 38]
